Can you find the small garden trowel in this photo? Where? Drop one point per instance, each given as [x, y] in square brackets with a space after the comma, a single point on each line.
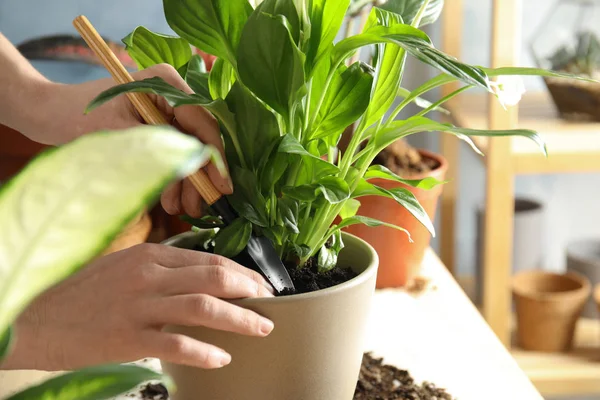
[260, 249]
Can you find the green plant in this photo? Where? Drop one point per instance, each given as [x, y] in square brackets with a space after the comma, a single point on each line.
[65, 208]
[584, 58]
[283, 97]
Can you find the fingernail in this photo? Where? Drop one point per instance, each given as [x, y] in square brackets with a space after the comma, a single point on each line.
[222, 358]
[266, 326]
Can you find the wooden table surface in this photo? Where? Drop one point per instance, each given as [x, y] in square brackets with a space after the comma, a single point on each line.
[440, 337]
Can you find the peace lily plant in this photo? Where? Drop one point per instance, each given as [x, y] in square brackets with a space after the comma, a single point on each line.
[283, 96]
[63, 210]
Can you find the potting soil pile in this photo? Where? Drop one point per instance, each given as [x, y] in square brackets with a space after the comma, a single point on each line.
[376, 381]
[404, 160]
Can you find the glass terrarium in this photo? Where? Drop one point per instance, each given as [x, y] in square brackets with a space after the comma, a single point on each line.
[568, 40]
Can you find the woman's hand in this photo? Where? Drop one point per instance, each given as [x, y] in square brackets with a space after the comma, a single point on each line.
[114, 311]
[59, 118]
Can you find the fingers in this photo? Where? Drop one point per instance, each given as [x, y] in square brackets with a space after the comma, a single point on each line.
[215, 280]
[183, 350]
[210, 312]
[172, 257]
[170, 199]
[190, 199]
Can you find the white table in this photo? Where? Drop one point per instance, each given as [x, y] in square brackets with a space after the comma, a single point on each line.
[439, 336]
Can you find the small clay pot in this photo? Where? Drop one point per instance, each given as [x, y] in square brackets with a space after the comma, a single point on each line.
[399, 260]
[548, 306]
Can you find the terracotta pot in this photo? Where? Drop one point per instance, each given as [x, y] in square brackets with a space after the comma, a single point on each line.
[584, 257]
[548, 306]
[314, 352]
[399, 260]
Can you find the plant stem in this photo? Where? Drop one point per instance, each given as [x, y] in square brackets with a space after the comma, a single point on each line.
[417, 21]
[322, 97]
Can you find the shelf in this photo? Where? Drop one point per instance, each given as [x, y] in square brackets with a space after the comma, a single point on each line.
[572, 146]
[556, 374]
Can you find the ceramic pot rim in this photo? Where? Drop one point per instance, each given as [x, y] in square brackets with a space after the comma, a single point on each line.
[573, 252]
[348, 285]
[583, 290]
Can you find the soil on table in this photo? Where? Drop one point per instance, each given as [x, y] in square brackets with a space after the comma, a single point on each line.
[386, 382]
[376, 381]
[404, 160]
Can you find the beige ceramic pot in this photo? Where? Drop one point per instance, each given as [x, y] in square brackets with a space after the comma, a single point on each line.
[548, 306]
[314, 352]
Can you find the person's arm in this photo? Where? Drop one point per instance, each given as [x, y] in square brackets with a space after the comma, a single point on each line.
[21, 88]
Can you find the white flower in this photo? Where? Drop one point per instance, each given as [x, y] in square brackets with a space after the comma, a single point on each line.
[509, 89]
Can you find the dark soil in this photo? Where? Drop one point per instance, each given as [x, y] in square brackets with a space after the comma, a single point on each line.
[404, 160]
[154, 391]
[309, 279]
[375, 382]
[385, 382]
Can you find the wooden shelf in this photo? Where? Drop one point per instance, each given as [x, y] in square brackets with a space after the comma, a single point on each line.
[556, 374]
[572, 146]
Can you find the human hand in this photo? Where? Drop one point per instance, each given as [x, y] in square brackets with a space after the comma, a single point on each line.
[60, 118]
[113, 311]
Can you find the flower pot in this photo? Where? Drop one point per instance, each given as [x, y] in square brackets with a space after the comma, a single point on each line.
[584, 257]
[314, 352]
[528, 249]
[399, 260]
[135, 233]
[548, 306]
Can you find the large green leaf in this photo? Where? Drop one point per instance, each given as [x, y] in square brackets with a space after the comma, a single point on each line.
[398, 129]
[379, 171]
[288, 211]
[94, 383]
[402, 196]
[372, 222]
[418, 44]
[388, 73]
[315, 166]
[409, 9]
[419, 101]
[232, 239]
[326, 17]
[6, 339]
[334, 189]
[288, 10]
[349, 209]
[148, 48]
[529, 71]
[247, 198]
[221, 79]
[328, 255]
[214, 26]
[257, 126]
[270, 63]
[346, 100]
[68, 204]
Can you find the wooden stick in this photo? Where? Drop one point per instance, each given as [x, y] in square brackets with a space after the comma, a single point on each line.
[141, 101]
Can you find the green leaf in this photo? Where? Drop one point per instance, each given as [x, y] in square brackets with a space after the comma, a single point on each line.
[302, 251]
[214, 26]
[527, 71]
[288, 210]
[288, 10]
[402, 196]
[231, 240]
[197, 77]
[94, 383]
[270, 63]
[83, 193]
[398, 129]
[220, 79]
[206, 222]
[247, 199]
[388, 73]
[326, 17]
[419, 101]
[256, 126]
[147, 48]
[273, 170]
[6, 340]
[334, 189]
[328, 255]
[349, 209]
[409, 9]
[359, 219]
[379, 171]
[313, 165]
[346, 100]
[304, 193]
